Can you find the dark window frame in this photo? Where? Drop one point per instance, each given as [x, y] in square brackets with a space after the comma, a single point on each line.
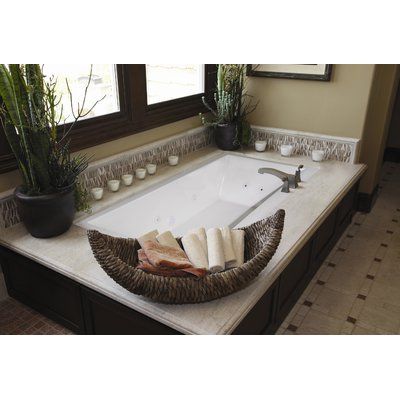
[135, 114]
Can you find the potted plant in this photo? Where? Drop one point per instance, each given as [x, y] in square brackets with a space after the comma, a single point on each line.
[51, 192]
[232, 105]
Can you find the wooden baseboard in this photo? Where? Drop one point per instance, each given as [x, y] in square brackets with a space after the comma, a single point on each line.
[392, 154]
[365, 201]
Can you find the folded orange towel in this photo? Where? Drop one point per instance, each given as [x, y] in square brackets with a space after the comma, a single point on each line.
[146, 266]
[165, 256]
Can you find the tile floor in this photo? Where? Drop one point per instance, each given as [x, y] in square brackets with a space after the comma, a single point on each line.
[18, 319]
[356, 291]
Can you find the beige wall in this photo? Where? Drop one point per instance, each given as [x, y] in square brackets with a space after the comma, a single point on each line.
[335, 108]
[377, 123]
[11, 179]
[355, 103]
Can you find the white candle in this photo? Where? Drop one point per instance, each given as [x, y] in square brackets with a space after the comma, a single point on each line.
[127, 179]
[286, 150]
[173, 160]
[140, 173]
[260, 145]
[113, 185]
[317, 155]
[151, 169]
[97, 193]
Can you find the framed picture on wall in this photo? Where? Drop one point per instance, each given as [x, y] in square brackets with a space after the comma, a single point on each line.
[313, 72]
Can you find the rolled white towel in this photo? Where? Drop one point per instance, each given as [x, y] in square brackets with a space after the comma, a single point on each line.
[167, 239]
[238, 245]
[201, 234]
[148, 236]
[215, 246]
[230, 256]
[194, 250]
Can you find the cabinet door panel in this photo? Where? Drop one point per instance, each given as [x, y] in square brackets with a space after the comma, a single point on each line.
[293, 280]
[47, 291]
[105, 316]
[261, 318]
[323, 241]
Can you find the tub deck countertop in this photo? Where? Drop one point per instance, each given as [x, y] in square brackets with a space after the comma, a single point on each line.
[306, 208]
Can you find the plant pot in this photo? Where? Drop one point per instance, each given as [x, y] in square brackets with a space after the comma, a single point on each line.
[47, 215]
[226, 137]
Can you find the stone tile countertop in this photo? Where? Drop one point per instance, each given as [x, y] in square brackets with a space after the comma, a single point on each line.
[306, 208]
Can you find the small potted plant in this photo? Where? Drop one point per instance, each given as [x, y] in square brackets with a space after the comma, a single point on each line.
[232, 105]
[51, 192]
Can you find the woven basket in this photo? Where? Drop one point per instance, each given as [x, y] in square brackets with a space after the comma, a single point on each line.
[118, 258]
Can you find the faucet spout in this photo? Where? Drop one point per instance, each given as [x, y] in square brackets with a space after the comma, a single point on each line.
[273, 171]
[289, 180]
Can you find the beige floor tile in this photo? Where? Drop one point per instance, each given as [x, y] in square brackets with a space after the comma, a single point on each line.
[384, 293]
[380, 317]
[351, 263]
[335, 256]
[359, 218]
[366, 287]
[303, 310]
[366, 248]
[316, 290]
[380, 331]
[333, 303]
[347, 283]
[316, 323]
[286, 332]
[297, 320]
[374, 268]
[326, 273]
[358, 330]
[356, 308]
[347, 328]
[381, 252]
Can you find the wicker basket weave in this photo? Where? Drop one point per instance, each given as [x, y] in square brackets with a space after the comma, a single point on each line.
[118, 258]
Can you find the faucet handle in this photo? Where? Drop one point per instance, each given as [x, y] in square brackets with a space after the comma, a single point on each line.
[297, 174]
[285, 187]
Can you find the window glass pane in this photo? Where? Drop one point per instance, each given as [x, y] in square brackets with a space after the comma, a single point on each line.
[103, 83]
[172, 81]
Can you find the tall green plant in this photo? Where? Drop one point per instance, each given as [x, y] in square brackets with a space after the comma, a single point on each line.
[31, 124]
[232, 102]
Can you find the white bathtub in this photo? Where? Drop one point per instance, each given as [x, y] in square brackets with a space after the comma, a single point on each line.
[219, 193]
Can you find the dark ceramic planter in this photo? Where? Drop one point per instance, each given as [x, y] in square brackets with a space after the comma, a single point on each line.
[226, 137]
[46, 215]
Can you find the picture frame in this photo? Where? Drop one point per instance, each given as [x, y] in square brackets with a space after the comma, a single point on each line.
[313, 72]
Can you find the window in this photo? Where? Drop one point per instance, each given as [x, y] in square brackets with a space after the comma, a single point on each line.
[138, 97]
[172, 81]
[103, 86]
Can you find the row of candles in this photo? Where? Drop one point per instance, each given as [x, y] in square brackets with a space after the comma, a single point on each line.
[287, 150]
[113, 185]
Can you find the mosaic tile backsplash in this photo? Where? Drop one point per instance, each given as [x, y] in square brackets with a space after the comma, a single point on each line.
[100, 172]
[335, 148]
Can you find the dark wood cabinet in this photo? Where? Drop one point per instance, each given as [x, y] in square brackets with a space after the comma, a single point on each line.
[345, 211]
[261, 319]
[86, 311]
[104, 316]
[44, 290]
[323, 241]
[293, 280]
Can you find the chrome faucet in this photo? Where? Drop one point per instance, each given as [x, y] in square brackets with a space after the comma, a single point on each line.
[289, 180]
